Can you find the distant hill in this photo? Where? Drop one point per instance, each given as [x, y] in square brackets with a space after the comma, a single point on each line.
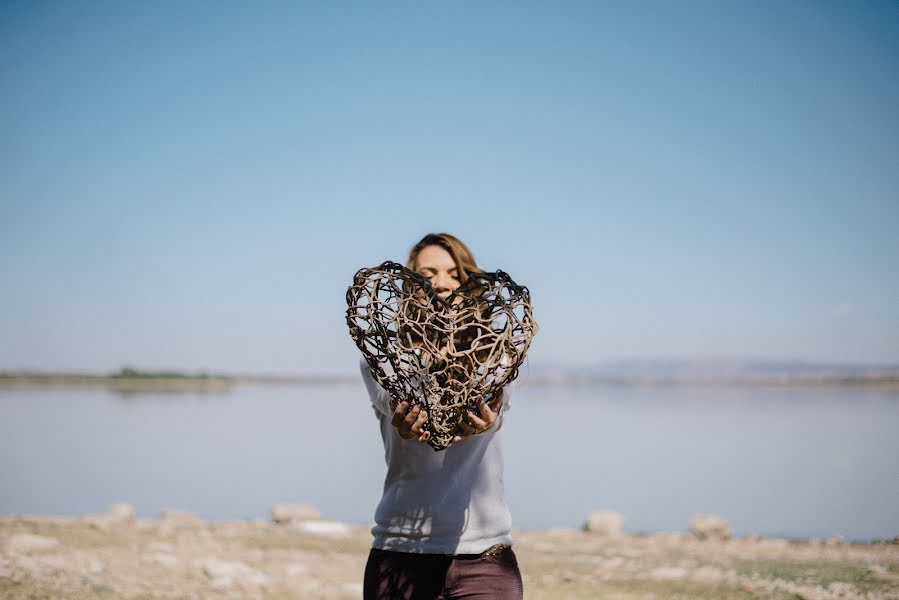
[686, 371]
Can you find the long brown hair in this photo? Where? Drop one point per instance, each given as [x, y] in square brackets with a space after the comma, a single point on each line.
[460, 253]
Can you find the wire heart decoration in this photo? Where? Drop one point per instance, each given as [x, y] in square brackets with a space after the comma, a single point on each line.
[444, 354]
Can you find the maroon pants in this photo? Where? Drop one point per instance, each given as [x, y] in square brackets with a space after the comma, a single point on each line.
[401, 575]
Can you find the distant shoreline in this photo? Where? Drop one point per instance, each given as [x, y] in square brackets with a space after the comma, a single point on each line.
[59, 380]
[181, 382]
[156, 383]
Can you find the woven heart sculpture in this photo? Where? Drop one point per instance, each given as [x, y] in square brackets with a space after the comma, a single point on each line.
[446, 355]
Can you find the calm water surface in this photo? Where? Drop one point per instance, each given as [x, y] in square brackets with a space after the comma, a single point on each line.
[795, 462]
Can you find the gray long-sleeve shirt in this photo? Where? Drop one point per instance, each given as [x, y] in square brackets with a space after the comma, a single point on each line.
[449, 502]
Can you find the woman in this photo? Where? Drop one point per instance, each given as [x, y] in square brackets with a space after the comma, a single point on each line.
[442, 527]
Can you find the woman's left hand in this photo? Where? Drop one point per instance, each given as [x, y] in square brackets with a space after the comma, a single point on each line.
[473, 424]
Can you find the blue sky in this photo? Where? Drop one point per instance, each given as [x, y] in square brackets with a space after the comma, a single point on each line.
[193, 185]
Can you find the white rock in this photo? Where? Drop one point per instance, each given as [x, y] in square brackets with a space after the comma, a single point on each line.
[224, 573]
[604, 522]
[221, 583]
[294, 569]
[334, 528]
[841, 589]
[57, 562]
[668, 573]
[710, 527]
[120, 513]
[161, 547]
[92, 565]
[26, 543]
[162, 559]
[288, 513]
[179, 518]
[707, 574]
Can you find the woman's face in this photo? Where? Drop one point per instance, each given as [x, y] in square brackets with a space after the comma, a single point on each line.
[437, 265]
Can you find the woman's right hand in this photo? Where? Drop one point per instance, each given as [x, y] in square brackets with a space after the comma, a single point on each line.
[410, 421]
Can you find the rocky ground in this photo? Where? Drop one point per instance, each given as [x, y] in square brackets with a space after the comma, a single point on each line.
[181, 556]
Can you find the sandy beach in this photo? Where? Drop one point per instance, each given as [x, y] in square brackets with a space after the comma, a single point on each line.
[178, 555]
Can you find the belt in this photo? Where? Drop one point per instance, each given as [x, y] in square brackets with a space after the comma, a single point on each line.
[493, 550]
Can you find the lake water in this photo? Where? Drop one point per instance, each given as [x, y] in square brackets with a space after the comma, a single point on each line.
[796, 462]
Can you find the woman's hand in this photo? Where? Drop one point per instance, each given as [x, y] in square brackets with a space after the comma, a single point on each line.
[473, 424]
[410, 421]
